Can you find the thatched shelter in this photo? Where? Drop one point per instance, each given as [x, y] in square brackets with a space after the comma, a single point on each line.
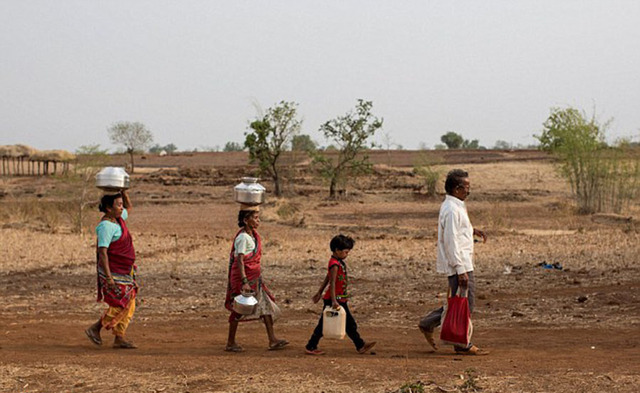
[14, 157]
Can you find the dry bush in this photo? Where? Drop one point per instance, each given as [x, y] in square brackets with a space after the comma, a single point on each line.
[50, 216]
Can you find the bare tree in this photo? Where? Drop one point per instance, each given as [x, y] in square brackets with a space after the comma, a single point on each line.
[133, 136]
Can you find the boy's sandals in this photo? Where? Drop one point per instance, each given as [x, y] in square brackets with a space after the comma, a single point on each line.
[278, 345]
[314, 352]
[366, 347]
[234, 348]
[93, 337]
[472, 351]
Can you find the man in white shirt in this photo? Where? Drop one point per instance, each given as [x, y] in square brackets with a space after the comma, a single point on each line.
[455, 252]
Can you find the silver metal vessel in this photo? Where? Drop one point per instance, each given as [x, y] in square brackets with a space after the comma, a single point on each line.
[249, 192]
[244, 304]
[112, 179]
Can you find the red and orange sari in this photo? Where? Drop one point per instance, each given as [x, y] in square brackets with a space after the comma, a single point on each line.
[121, 299]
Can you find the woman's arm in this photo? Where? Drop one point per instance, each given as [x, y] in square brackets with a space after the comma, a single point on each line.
[245, 281]
[104, 260]
[316, 298]
[126, 201]
[333, 272]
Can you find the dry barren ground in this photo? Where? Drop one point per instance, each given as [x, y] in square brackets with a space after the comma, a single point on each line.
[574, 329]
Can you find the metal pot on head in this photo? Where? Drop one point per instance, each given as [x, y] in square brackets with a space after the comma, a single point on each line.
[112, 179]
[249, 192]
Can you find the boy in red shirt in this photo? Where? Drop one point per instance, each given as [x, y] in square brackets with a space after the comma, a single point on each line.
[337, 296]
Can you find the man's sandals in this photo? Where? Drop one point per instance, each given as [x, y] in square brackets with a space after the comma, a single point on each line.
[472, 351]
[429, 337]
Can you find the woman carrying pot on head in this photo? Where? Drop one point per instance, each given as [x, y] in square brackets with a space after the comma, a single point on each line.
[116, 270]
[245, 276]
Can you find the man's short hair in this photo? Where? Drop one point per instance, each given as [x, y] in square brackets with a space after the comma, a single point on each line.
[341, 242]
[455, 178]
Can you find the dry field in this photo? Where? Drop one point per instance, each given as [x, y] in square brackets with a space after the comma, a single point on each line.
[574, 329]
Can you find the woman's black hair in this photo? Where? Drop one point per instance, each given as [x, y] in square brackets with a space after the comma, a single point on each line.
[243, 215]
[341, 242]
[455, 179]
[107, 201]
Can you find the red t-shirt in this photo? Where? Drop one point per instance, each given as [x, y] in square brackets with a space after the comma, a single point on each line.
[341, 281]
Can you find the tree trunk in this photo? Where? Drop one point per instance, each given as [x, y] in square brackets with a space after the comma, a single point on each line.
[332, 187]
[276, 184]
[132, 166]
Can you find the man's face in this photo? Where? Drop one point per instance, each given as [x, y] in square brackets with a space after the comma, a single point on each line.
[462, 191]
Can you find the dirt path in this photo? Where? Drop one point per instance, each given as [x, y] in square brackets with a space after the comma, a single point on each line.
[53, 355]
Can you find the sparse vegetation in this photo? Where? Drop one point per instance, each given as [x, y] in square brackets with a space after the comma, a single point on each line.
[303, 143]
[170, 148]
[470, 383]
[352, 134]
[232, 146]
[183, 224]
[453, 140]
[411, 387]
[134, 136]
[269, 137]
[426, 168]
[603, 178]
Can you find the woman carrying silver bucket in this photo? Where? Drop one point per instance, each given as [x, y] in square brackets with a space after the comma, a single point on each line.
[245, 276]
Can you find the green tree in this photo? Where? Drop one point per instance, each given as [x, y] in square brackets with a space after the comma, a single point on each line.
[170, 148]
[601, 177]
[452, 139]
[303, 142]
[471, 145]
[351, 134]
[269, 137]
[229, 146]
[502, 145]
[568, 128]
[134, 136]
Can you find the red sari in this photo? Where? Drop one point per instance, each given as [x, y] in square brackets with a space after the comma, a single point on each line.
[122, 258]
[252, 271]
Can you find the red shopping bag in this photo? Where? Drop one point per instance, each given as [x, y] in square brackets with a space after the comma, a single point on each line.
[456, 327]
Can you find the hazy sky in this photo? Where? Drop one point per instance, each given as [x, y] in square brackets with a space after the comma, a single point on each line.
[192, 71]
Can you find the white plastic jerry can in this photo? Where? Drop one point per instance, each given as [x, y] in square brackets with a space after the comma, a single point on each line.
[334, 323]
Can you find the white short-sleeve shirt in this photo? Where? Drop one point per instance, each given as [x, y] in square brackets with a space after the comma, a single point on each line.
[244, 244]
